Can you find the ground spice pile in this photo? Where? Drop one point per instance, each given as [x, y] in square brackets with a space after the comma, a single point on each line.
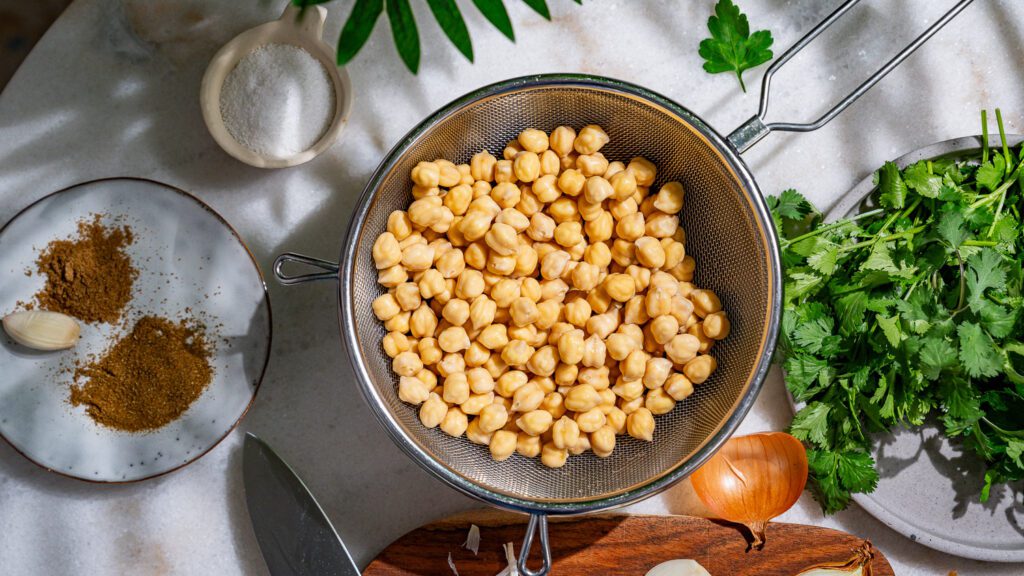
[89, 277]
[148, 378]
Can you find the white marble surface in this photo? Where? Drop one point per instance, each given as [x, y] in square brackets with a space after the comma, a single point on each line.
[112, 90]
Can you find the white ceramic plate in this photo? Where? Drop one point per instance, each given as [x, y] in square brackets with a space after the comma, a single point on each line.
[187, 257]
[929, 486]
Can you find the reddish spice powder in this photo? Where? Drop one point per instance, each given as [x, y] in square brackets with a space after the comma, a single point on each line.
[89, 277]
[148, 378]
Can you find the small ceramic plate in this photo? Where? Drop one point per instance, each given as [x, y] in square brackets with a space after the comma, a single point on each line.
[929, 486]
[191, 264]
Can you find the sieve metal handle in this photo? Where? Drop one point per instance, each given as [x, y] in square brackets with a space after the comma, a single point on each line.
[538, 523]
[754, 129]
[330, 269]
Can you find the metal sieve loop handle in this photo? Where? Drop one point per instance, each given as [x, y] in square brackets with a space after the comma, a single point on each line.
[754, 129]
[330, 269]
[538, 523]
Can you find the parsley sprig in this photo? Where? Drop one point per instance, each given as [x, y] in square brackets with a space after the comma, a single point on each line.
[906, 312]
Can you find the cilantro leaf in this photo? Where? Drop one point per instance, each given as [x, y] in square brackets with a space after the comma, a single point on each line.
[811, 423]
[990, 174]
[977, 353]
[792, 204]
[919, 178]
[857, 471]
[824, 259]
[893, 191]
[732, 47]
[936, 354]
[891, 328]
[951, 228]
[880, 259]
[985, 272]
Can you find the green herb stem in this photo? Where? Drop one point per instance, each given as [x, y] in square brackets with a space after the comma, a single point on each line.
[909, 233]
[982, 243]
[984, 136]
[832, 226]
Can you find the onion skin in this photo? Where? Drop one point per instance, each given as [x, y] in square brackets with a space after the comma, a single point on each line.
[753, 479]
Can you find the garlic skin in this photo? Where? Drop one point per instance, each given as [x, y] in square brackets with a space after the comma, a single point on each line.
[679, 567]
[42, 329]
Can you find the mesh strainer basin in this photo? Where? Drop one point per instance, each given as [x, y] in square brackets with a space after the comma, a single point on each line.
[728, 233]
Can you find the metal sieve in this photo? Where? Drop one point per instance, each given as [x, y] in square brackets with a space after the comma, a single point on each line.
[729, 233]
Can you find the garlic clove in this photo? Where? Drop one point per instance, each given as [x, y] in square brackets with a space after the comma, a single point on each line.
[680, 567]
[42, 330]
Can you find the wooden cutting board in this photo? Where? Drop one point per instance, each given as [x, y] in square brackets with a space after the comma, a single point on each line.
[618, 544]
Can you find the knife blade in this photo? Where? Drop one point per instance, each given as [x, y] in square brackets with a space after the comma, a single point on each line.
[294, 534]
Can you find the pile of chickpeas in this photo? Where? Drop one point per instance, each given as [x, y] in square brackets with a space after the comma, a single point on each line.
[543, 303]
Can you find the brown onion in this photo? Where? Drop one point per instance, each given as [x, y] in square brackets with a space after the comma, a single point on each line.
[753, 479]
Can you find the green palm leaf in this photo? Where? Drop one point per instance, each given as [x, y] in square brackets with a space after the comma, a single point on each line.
[494, 11]
[403, 30]
[447, 14]
[540, 7]
[357, 28]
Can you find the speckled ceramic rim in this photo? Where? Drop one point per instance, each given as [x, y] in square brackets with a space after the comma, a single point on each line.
[850, 203]
[266, 304]
[714, 441]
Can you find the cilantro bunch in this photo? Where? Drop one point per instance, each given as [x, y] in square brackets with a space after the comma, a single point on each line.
[908, 311]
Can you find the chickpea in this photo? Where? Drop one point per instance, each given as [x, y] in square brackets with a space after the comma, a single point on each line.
[456, 388]
[635, 311]
[670, 198]
[664, 328]
[526, 261]
[500, 265]
[529, 288]
[657, 372]
[449, 173]
[565, 432]
[480, 381]
[495, 366]
[509, 382]
[527, 445]
[571, 182]
[395, 343]
[492, 418]
[482, 166]
[426, 174]
[581, 446]
[601, 228]
[456, 312]
[640, 424]
[650, 252]
[620, 287]
[535, 422]
[392, 277]
[594, 351]
[526, 166]
[553, 290]
[561, 140]
[544, 361]
[643, 170]
[451, 364]
[469, 285]
[630, 406]
[546, 188]
[398, 323]
[506, 194]
[598, 378]
[570, 347]
[597, 189]
[501, 239]
[675, 252]
[598, 254]
[634, 366]
[592, 164]
[511, 149]
[619, 346]
[564, 209]
[582, 398]
[700, 368]
[433, 411]
[503, 445]
[623, 252]
[661, 225]
[658, 402]
[623, 185]
[476, 435]
[641, 276]
[385, 307]
[534, 140]
[399, 225]
[423, 322]
[548, 312]
[493, 337]
[566, 374]
[412, 390]
[553, 264]
[475, 256]
[430, 353]
[553, 456]
[682, 348]
[705, 302]
[550, 164]
[628, 390]
[386, 251]
[454, 422]
[505, 292]
[590, 139]
[603, 325]
[542, 227]
[517, 353]
[602, 441]
[678, 387]
[568, 234]
[608, 399]
[577, 312]
[408, 296]
[716, 325]
[630, 227]
[527, 397]
[417, 257]
[453, 339]
[523, 311]
[503, 172]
